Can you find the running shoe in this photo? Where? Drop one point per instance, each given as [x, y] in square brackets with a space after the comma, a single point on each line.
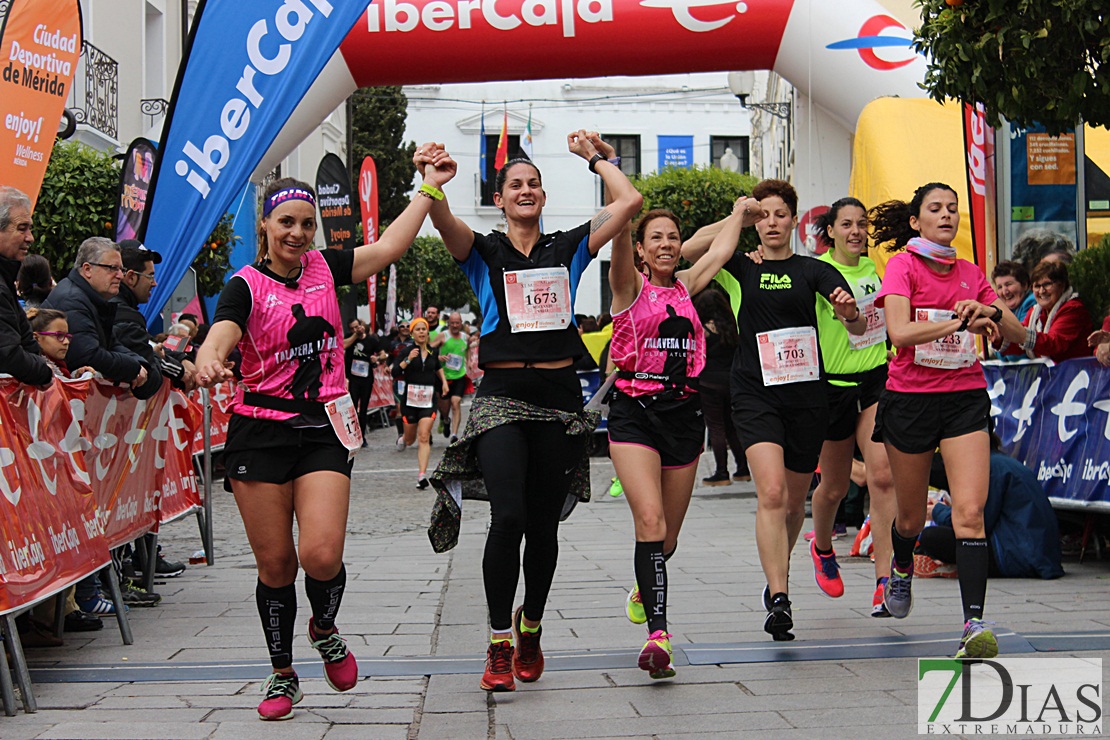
[779, 620]
[445, 426]
[528, 657]
[97, 605]
[835, 535]
[401, 443]
[340, 668]
[826, 572]
[422, 481]
[135, 595]
[878, 608]
[634, 606]
[978, 641]
[282, 691]
[720, 478]
[454, 438]
[655, 658]
[615, 488]
[766, 598]
[499, 668]
[898, 593]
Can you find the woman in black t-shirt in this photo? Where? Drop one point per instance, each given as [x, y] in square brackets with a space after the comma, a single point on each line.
[418, 366]
[526, 432]
[779, 401]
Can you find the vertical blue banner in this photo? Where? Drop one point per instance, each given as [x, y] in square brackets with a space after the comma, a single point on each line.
[246, 68]
[1043, 182]
[676, 151]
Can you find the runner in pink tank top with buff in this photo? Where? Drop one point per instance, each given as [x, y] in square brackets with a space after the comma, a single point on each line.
[294, 431]
[656, 429]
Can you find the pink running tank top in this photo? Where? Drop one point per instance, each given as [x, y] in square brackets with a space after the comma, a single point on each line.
[292, 347]
[659, 336]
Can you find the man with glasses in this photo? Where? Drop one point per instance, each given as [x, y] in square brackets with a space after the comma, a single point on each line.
[85, 297]
[20, 356]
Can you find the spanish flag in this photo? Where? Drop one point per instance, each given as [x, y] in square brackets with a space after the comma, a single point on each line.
[502, 155]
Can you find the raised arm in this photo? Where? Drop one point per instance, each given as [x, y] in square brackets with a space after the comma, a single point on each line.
[371, 259]
[457, 236]
[694, 248]
[626, 201]
[745, 212]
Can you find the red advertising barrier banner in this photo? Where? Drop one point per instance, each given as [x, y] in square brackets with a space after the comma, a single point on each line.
[48, 519]
[979, 146]
[221, 396]
[381, 395]
[178, 494]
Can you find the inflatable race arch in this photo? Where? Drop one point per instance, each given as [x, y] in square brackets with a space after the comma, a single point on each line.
[841, 54]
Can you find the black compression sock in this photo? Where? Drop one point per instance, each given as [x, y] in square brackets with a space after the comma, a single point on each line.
[651, 576]
[973, 562]
[667, 555]
[325, 597]
[277, 608]
[823, 552]
[903, 549]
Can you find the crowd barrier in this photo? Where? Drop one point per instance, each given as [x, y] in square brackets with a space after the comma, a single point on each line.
[1055, 418]
[85, 467]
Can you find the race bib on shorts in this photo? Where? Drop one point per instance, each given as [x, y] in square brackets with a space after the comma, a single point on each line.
[360, 368]
[947, 353]
[876, 324]
[538, 300]
[419, 396]
[788, 355]
[344, 420]
[453, 363]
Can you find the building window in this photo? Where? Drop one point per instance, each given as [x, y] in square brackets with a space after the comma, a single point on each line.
[491, 156]
[628, 149]
[739, 147]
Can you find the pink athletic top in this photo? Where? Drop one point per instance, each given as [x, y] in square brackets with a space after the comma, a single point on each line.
[291, 347]
[908, 275]
[660, 335]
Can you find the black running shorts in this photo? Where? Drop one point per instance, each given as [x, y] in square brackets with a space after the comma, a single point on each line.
[412, 414]
[916, 422]
[674, 429]
[800, 432]
[846, 403]
[273, 452]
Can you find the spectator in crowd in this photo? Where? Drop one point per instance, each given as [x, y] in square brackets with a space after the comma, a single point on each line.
[19, 352]
[1010, 281]
[1035, 246]
[1100, 340]
[721, 340]
[34, 282]
[1022, 534]
[361, 353]
[191, 321]
[1059, 324]
[84, 295]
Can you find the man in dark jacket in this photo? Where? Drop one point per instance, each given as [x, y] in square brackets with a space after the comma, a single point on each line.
[130, 328]
[84, 295]
[19, 352]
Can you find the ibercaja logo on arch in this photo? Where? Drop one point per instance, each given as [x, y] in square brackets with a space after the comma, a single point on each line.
[1010, 696]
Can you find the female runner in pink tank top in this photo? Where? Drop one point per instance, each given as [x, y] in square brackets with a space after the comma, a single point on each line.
[655, 423]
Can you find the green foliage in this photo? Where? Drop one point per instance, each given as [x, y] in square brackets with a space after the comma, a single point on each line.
[1026, 60]
[214, 259]
[378, 126]
[77, 200]
[698, 196]
[1089, 273]
[429, 266]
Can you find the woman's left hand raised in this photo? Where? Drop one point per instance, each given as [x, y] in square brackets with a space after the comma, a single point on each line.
[578, 142]
[440, 168]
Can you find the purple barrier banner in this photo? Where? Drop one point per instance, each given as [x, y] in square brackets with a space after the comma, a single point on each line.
[1056, 420]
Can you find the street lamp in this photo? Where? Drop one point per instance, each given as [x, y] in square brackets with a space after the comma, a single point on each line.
[741, 85]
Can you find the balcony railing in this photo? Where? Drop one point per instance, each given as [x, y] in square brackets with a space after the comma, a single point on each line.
[153, 109]
[94, 98]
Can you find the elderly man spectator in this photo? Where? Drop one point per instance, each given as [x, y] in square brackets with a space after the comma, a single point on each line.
[85, 296]
[19, 352]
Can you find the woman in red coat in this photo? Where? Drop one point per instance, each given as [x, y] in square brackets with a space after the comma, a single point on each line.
[1058, 326]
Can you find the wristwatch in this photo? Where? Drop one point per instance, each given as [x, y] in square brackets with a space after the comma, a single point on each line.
[997, 317]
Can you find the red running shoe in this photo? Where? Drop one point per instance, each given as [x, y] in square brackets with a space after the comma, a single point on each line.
[528, 658]
[826, 572]
[340, 668]
[282, 691]
[499, 668]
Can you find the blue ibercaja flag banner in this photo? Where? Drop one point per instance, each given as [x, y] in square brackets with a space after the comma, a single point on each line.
[40, 43]
[246, 67]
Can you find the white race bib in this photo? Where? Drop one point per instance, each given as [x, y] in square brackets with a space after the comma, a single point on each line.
[538, 300]
[344, 420]
[876, 324]
[360, 368]
[788, 355]
[419, 396]
[453, 363]
[947, 353]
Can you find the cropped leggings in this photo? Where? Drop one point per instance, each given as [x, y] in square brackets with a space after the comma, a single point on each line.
[526, 466]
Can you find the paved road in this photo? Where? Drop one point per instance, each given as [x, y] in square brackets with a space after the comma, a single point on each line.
[416, 621]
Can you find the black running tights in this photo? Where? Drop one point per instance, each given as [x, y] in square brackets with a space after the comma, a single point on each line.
[526, 467]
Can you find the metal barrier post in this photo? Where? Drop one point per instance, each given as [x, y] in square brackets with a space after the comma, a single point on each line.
[209, 550]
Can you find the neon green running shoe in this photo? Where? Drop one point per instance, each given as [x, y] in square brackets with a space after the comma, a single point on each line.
[615, 488]
[655, 658]
[633, 607]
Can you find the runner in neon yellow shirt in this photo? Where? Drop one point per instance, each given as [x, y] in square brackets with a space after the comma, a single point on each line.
[453, 347]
